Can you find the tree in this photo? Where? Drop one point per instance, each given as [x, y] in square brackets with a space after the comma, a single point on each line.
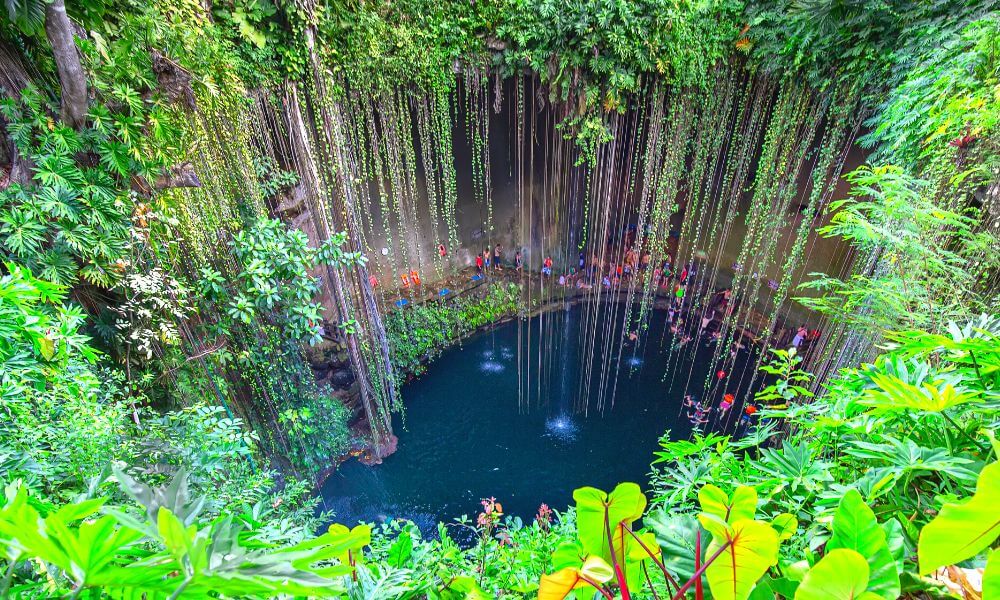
[30, 16]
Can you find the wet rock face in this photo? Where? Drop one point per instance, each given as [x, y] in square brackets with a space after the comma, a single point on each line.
[342, 378]
[331, 365]
[375, 454]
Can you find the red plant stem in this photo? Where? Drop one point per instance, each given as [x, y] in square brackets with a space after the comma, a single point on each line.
[697, 575]
[658, 562]
[619, 574]
[699, 592]
[599, 587]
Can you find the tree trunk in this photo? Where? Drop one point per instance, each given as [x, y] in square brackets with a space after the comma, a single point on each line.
[72, 79]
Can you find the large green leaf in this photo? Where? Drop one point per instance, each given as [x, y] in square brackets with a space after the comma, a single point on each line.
[743, 504]
[961, 531]
[560, 584]
[855, 528]
[894, 394]
[568, 554]
[401, 550]
[841, 575]
[751, 548]
[786, 525]
[597, 512]
[675, 535]
[991, 577]
[362, 534]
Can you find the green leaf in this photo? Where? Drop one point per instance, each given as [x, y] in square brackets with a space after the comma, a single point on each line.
[558, 585]
[855, 528]
[568, 554]
[786, 525]
[841, 575]
[596, 569]
[761, 591]
[401, 550]
[362, 534]
[675, 535]
[46, 347]
[991, 577]
[597, 511]
[895, 394]
[961, 531]
[743, 504]
[751, 549]
[173, 533]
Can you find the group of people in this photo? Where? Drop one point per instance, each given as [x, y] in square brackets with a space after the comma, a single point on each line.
[699, 414]
[492, 259]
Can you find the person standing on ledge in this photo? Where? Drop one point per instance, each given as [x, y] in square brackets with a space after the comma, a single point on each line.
[518, 261]
[479, 264]
[497, 255]
[800, 335]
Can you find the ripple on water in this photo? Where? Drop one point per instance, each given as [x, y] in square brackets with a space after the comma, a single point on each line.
[561, 428]
[491, 366]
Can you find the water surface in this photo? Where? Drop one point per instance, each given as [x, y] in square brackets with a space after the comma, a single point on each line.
[471, 432]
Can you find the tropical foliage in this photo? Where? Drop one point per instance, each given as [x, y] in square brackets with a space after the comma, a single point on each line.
[417, 334]
[152, 382]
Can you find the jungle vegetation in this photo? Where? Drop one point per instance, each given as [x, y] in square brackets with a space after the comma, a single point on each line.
[160, 437]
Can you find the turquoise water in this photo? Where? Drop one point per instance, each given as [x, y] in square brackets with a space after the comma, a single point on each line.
[466, 436]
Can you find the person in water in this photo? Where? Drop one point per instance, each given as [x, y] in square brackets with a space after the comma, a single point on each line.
[700, 415]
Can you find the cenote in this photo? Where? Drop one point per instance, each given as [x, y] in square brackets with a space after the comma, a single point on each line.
[472, 432]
